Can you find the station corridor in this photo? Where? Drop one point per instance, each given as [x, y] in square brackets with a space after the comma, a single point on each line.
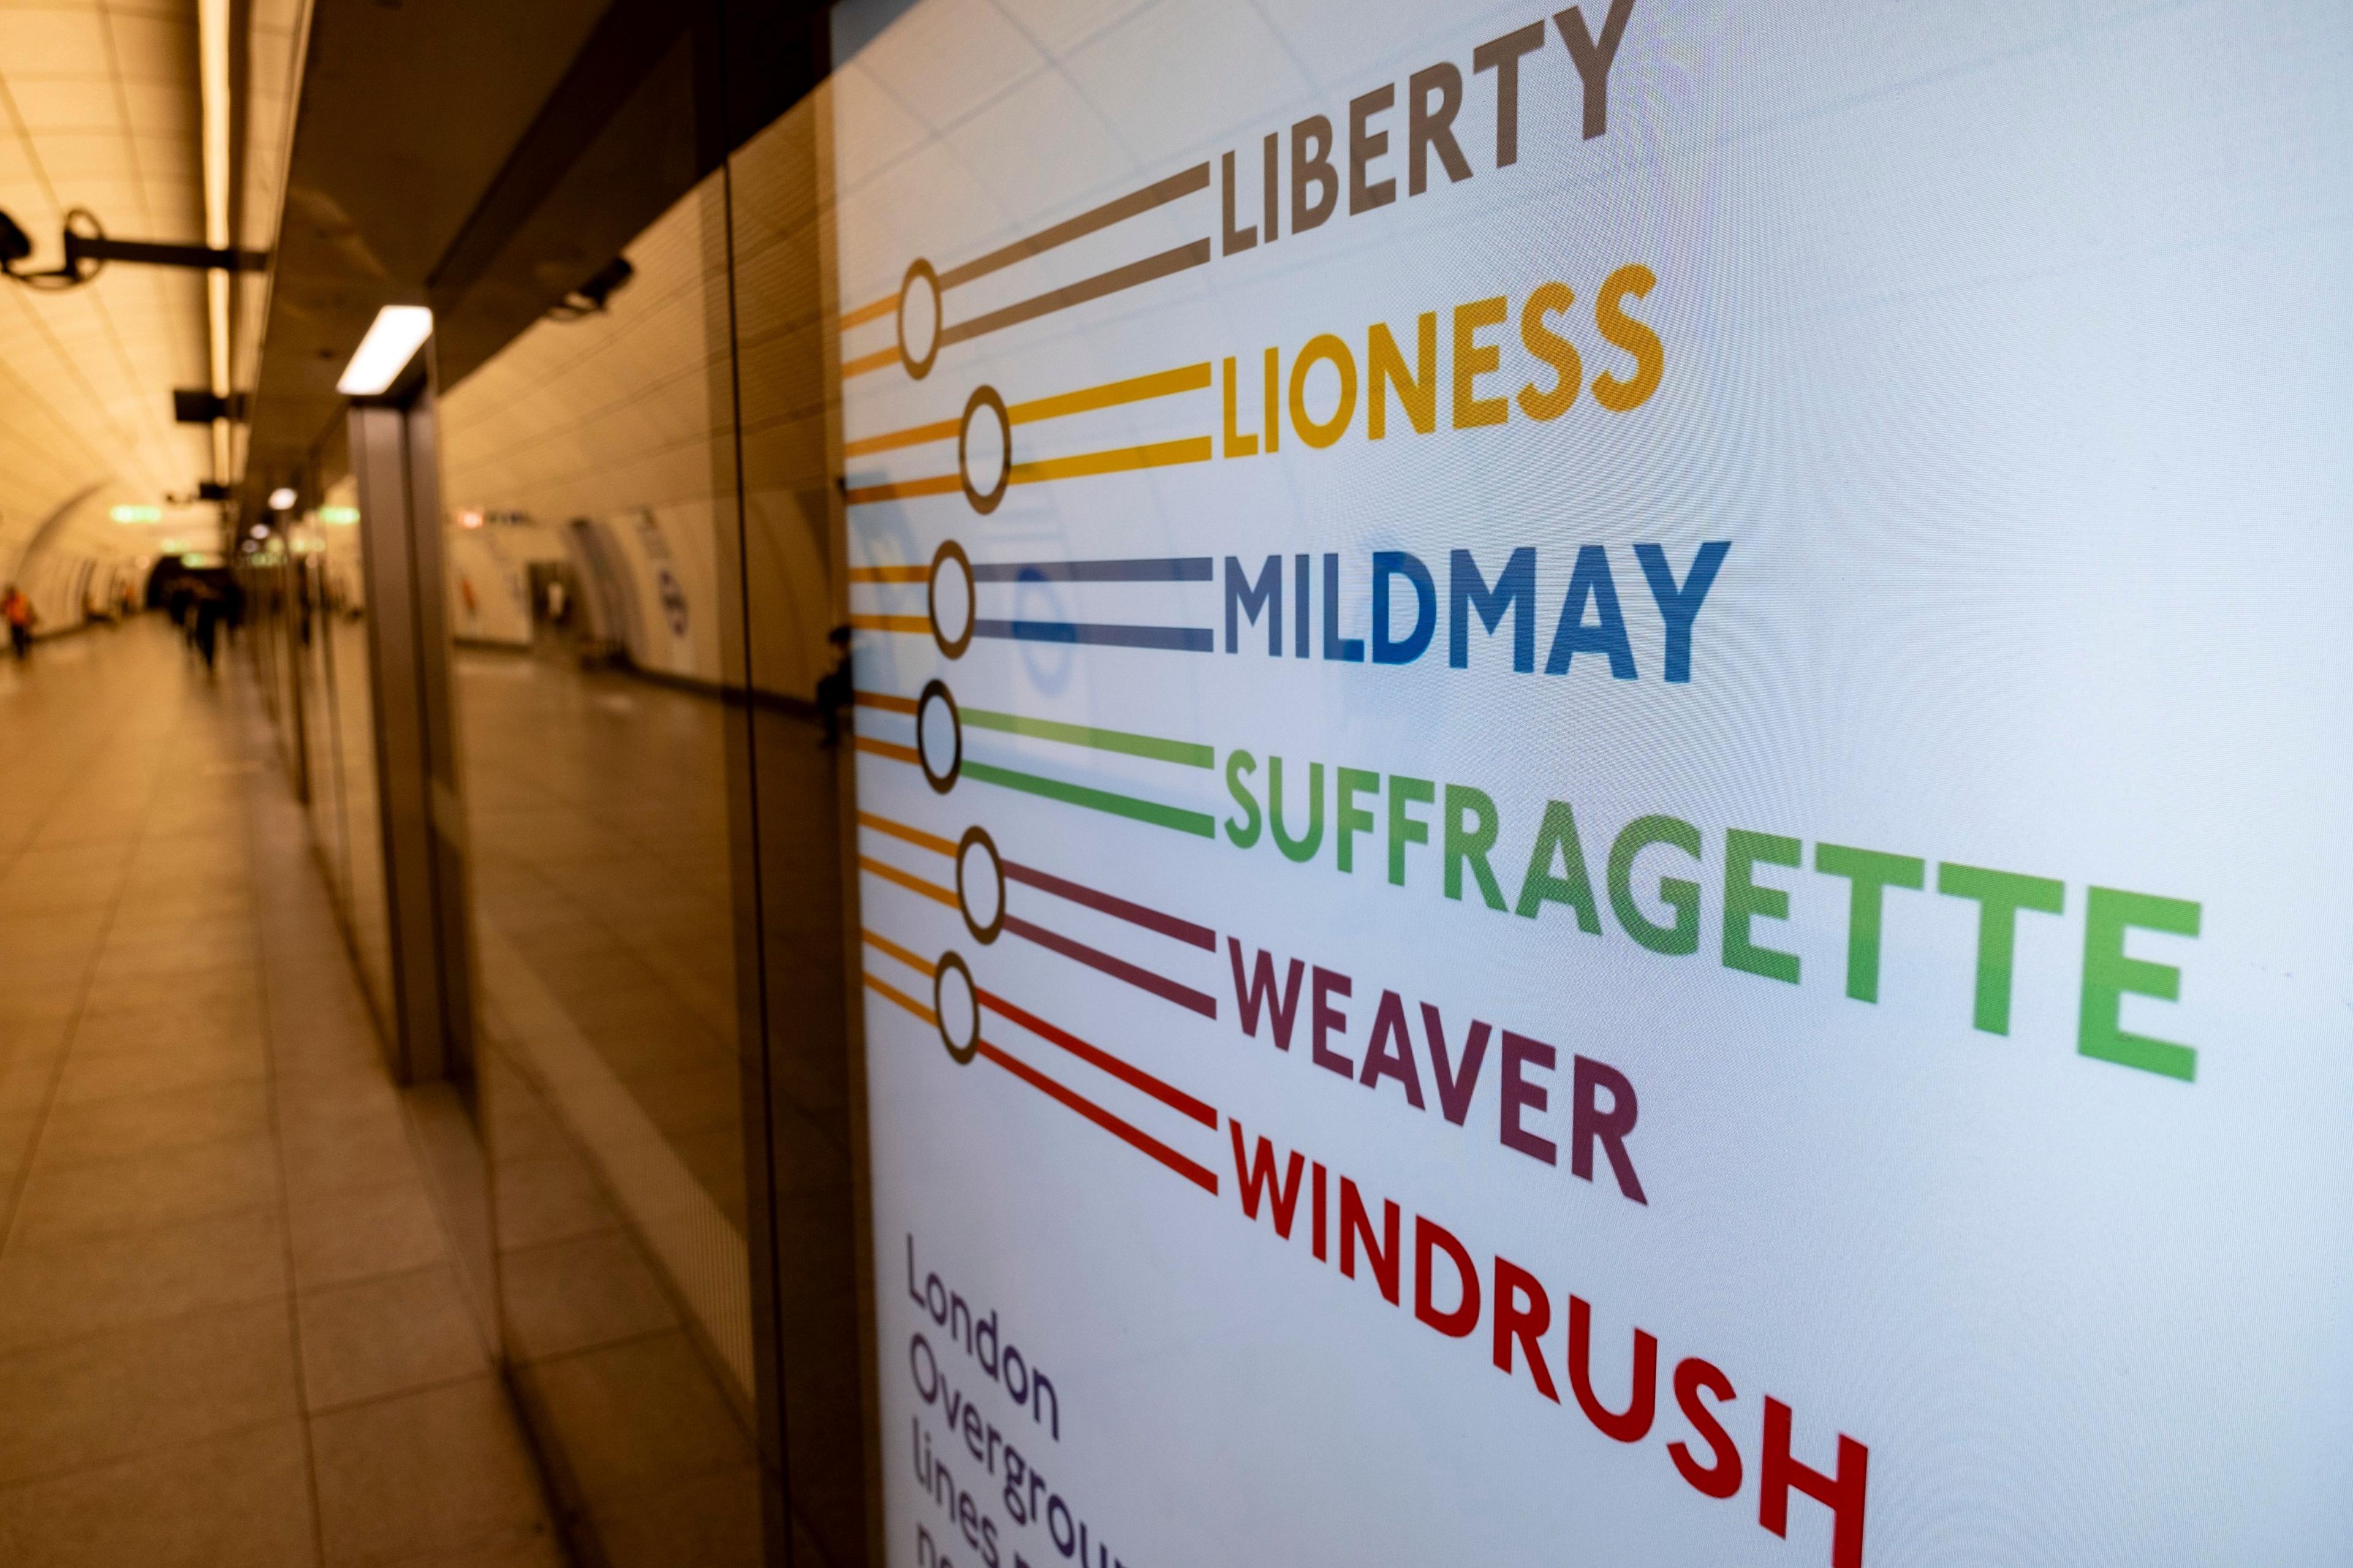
[233, 1328]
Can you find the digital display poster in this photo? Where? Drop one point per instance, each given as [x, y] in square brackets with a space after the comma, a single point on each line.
[1599, 779]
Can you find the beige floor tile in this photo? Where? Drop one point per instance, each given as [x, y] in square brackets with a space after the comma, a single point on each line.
[195, 992]
[630, 1416]
[237, 1501]
[573, 1295]
[323, 1154]
[105, 1026]
[148, 1123]
[158, 1065]
[389, 1335]
[711, 1521]
[548, 1200]
[343, 1233]
[436, 1472]
[106, 1396]
[53, 1293]
[75, 1203]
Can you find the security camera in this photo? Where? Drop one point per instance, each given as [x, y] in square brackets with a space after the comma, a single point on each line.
[14, 244]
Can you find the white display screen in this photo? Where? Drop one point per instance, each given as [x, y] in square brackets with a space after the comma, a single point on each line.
[1598, 778]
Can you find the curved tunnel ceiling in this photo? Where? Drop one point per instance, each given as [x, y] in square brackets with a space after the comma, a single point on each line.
[98, 110]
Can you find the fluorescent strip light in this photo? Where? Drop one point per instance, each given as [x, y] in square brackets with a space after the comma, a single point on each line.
[392, 341]
[212, 63]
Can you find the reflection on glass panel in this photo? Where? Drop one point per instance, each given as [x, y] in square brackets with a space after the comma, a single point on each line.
[353, 717]
[583, 543]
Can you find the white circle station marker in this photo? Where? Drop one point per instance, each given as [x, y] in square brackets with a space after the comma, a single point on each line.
[939, 737]
[980, 884]
[955, 1004]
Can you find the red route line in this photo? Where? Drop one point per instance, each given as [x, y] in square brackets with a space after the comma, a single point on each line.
[1198, 1175]
[1125, 1071]
[1167, 990]
[1136, 1136]
[1133, 1077]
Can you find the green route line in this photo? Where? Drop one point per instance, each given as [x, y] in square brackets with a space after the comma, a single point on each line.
[1200, 824]
[1190, 753]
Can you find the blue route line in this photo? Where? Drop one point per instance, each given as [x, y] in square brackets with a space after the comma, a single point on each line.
[1164, 569]
[1172, 639]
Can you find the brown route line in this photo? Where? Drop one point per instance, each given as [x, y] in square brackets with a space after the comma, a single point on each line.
[1158, 193]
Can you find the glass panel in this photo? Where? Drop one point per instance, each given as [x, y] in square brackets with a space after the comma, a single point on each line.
[588, 477]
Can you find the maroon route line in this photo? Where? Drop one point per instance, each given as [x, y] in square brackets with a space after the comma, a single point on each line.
[1126, 1131]
[1111, 904]
[1143, 979]
[1151, 920]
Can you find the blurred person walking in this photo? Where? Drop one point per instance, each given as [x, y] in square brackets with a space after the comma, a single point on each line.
[205, 620]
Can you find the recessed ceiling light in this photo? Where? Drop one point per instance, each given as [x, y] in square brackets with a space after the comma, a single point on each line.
[392, 341]
[282, 499]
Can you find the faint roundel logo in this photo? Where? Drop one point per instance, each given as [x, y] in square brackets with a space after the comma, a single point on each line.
[673, 598]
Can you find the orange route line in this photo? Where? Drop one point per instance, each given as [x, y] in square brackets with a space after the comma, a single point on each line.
[887, 702]
[914, 836]
[889, 574]
[1110, 395]
[904, 490]
[865, 362]
[923, 965]
[912, 436]
[872, 311]
[908, 880]
[886, 748]
[901, 997]
[892, 624]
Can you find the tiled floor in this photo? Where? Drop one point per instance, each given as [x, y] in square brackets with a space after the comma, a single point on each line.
[231, 1329]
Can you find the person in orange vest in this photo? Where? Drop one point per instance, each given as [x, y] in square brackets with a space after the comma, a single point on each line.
[17, 608]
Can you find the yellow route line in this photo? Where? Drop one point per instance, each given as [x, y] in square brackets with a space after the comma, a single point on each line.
[865, 362]
[1120, 461]
[1110, 395]
[1135, 389]
[889, 574]
[869, 312]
